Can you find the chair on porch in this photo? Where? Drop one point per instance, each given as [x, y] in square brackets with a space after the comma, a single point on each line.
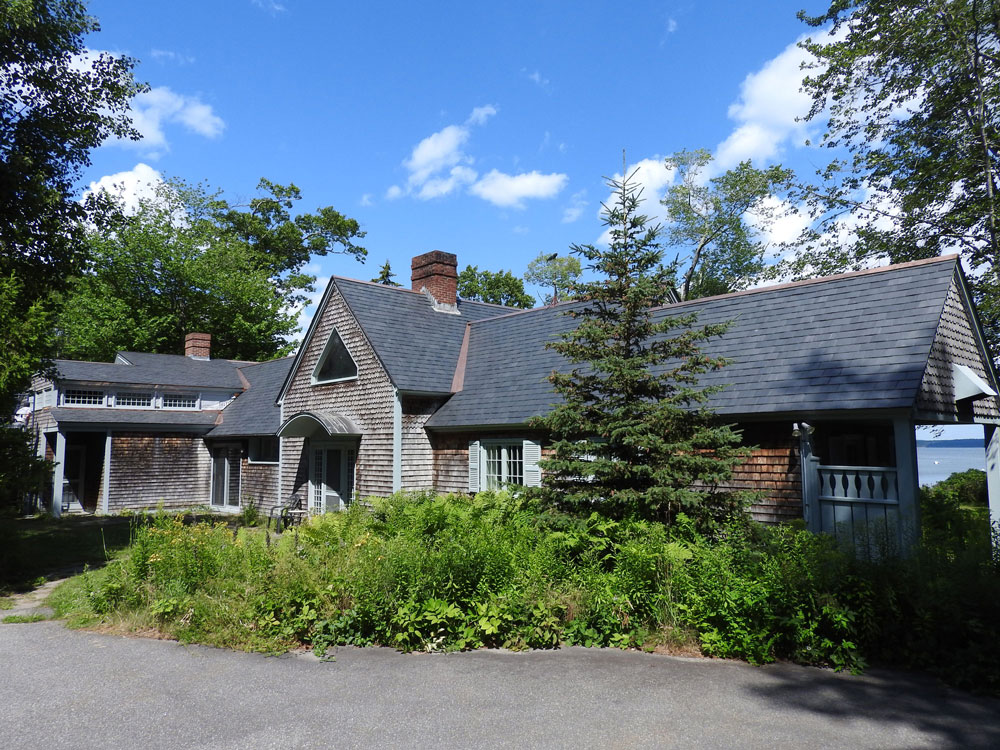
[289, 513]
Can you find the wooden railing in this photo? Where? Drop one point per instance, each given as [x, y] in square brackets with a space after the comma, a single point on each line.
[866, 484]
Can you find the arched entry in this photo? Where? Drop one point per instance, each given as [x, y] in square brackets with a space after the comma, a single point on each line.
[331, 445]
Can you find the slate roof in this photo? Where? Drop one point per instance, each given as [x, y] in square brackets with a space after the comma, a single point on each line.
[155, 369]
[254, 412]
[857, 341]
[417, 345]
[141, 418]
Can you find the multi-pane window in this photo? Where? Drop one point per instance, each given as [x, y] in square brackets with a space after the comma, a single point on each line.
[180, 401]
[504, 464]
[134, 398]
[79, 397]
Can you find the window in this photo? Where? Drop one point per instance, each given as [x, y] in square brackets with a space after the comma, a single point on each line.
[263, 450]
[504, 465]
[180, 401]
[336, 362]
[133, 398]
[76, 397]
[499, 463]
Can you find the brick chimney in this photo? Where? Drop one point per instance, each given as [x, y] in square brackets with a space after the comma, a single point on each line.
[437, 272]
[198, 345]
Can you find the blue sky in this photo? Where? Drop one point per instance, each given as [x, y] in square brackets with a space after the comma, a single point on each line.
[479, 129]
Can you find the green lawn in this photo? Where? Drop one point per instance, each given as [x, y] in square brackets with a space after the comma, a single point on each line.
[33, 548]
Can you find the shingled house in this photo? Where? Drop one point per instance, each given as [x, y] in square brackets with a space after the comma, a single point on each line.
[397, 388]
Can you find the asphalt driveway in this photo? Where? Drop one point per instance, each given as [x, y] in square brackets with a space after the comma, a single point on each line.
[66, 689]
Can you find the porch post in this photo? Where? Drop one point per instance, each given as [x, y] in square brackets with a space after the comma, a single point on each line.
[810, 483]
[907, 482]
[59, 474]
[106, 494]
[993, 470]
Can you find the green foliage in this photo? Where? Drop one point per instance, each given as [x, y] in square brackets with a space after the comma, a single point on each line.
[385, 276]
[10, 619]
[188, 260]
[709, 220]
[420, 572]
[911, 90]
[250, 512]
[560, 273]
[632, 435]
[954, 514]
[495, 287]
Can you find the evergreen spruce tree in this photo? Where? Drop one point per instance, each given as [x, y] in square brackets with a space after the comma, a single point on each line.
[633, 436]
[385, 276]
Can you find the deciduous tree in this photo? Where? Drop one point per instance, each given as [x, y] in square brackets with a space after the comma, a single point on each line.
[188, 260]
[559, 273]
[717, 227]
[495, 287]
[910, 90]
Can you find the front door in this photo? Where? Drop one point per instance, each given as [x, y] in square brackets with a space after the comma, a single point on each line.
[73, 476]
[331, 483]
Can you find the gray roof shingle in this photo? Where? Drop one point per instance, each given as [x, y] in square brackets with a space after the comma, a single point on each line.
[849, 342]
[254, 412]
[417, 345]
[140, 418]
[155, 369]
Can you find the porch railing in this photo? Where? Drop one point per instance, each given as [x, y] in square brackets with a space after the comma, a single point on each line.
[866, 484]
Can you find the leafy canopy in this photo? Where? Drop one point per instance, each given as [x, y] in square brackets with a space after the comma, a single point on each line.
[559, 273]
[719, 248]
[910, 91]
[632, 435]
[495, 287]
[188, 260]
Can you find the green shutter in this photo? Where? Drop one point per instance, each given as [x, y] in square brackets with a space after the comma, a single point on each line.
[532, 455]
[474, 466]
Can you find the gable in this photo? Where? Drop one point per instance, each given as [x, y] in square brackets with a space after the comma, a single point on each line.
[956, 342]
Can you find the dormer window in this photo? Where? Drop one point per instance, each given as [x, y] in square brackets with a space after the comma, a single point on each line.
[180, 401]
[134, 399]
[336, 362]
[80, 397]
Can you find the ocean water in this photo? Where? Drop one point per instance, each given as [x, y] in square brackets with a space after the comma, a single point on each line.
[936, 464]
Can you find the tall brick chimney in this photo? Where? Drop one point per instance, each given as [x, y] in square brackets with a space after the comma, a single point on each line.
[437, 272]
[198, 345]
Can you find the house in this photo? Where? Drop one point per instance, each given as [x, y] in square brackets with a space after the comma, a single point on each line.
[158, 429]
[397, 388]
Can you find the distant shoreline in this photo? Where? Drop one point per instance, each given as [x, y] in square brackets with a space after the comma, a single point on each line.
[963, 443]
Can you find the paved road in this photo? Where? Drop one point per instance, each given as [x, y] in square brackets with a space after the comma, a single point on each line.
[65, 689]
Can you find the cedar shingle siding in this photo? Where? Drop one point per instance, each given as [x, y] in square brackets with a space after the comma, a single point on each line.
[149, 468]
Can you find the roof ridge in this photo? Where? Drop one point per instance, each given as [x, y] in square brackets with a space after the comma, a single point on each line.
[522, 312]
[951, 257]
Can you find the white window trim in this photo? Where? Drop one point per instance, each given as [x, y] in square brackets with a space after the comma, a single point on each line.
[322, 358]
[65, 392]
[531, 453]
[161, 401]
[225, 507]
[113, 399]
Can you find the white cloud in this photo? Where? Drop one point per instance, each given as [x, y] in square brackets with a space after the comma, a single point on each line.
[671, 25]
[131, 186]
[441, 185]
[653, 178]
[436, 152]
[536, 78]
[160, 106]
[271, 6]
[770, 100]
[169, 56]
[510, 191]
[575, 209]
[480, 115]
[394, 192]
[367, 200]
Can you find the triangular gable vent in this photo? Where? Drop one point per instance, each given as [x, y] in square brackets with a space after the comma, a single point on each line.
[336, 362]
